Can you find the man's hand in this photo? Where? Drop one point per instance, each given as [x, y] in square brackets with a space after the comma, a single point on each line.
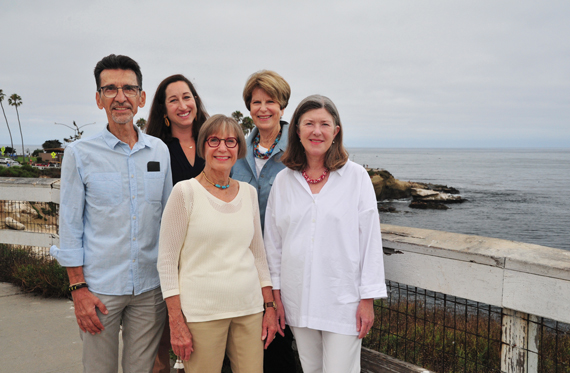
[364, 317]
[85, 303]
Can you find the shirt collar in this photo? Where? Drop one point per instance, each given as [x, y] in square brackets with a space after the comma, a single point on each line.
[342, 170]
[112, 140]
[282, 144]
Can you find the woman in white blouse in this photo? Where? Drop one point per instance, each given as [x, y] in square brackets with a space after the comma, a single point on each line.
[323, 243]
[213, 271]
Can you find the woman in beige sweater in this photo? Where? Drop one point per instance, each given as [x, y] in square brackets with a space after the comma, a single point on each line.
[212, 264]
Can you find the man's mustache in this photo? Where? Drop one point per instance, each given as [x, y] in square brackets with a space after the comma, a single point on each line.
[124, 105]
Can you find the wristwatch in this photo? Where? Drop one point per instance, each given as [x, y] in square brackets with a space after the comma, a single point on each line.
[270, 304]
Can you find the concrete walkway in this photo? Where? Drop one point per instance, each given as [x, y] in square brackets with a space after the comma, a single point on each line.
[37, 334]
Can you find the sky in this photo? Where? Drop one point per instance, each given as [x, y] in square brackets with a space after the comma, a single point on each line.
[428, 74]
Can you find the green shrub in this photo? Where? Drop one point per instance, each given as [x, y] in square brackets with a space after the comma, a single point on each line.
[54, 173]
[34, 274]
[19, 171]
[29, 171]
[51, 210]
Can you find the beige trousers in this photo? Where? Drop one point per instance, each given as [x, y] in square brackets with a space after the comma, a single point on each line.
[239, 337]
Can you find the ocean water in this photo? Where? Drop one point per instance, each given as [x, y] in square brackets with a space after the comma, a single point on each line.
[514, 194]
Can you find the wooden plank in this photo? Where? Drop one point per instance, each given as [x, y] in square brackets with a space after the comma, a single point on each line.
[519, 256]
[473, 281]
[538, 295]
[375, 362]
[28, 189]
[533, 341]
[514, 337]
[8, 236]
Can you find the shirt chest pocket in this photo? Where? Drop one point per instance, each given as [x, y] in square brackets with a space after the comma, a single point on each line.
[104, 188]
[153, 185]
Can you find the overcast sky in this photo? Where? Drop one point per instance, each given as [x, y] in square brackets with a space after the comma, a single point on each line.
[402, 73]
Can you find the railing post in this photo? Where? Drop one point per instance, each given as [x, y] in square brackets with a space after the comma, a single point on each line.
[519, 338]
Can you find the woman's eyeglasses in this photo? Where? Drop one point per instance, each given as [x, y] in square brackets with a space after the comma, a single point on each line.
[214, 142]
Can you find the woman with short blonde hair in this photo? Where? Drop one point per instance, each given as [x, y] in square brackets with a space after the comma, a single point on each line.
[266, 95]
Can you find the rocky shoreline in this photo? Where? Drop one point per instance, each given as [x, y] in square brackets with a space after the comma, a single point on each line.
[423, 195]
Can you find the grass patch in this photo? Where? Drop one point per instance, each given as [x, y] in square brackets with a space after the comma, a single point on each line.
[436, 338]
[33, 273]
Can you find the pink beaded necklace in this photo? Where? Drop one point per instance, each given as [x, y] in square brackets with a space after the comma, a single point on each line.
[315, 181]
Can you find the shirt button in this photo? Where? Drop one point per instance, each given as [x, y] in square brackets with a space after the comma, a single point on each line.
[134, 239]
[134, 218]
[132, 175]
[133, 260]
[133, 197]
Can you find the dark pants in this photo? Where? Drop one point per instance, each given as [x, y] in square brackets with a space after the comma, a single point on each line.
[279, 356]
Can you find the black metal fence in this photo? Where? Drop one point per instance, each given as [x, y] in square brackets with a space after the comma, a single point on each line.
[38, 217]
[29, 216]
[444, 333]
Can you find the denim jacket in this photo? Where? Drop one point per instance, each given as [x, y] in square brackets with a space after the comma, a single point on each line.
[244, 169]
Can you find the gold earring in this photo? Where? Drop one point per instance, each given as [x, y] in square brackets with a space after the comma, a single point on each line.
[166, 121]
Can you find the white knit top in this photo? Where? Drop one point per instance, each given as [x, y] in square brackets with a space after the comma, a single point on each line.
[211, 253]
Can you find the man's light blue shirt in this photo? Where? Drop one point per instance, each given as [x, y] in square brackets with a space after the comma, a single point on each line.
[111, 205]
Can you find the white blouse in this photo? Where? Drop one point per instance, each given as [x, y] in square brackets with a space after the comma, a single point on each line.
[325, 250]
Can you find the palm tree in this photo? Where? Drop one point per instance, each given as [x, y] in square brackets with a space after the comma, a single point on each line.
[141, 123]
[2, 95]
[16, 101]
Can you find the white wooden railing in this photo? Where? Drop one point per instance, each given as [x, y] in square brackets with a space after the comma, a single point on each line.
[28, 189]
[527, 281]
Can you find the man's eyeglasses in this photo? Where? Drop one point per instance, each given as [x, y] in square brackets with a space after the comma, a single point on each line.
[110, 91]
[214, 142]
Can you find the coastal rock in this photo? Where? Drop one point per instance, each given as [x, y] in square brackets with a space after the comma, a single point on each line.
[432, 195]
[435, 187]
[18, 207]
[14, 224]
[387, 187]
[424, 195]
[432, 205]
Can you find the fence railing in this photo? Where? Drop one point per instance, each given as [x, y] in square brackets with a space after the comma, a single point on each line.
[470, 303]
[516, 296]
[31, 206]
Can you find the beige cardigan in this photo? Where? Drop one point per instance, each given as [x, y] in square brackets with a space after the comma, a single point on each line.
[211, 253]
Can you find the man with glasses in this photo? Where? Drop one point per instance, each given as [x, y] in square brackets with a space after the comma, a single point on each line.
[114, 187]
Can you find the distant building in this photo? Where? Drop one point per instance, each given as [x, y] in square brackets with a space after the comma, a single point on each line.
[47, 157]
